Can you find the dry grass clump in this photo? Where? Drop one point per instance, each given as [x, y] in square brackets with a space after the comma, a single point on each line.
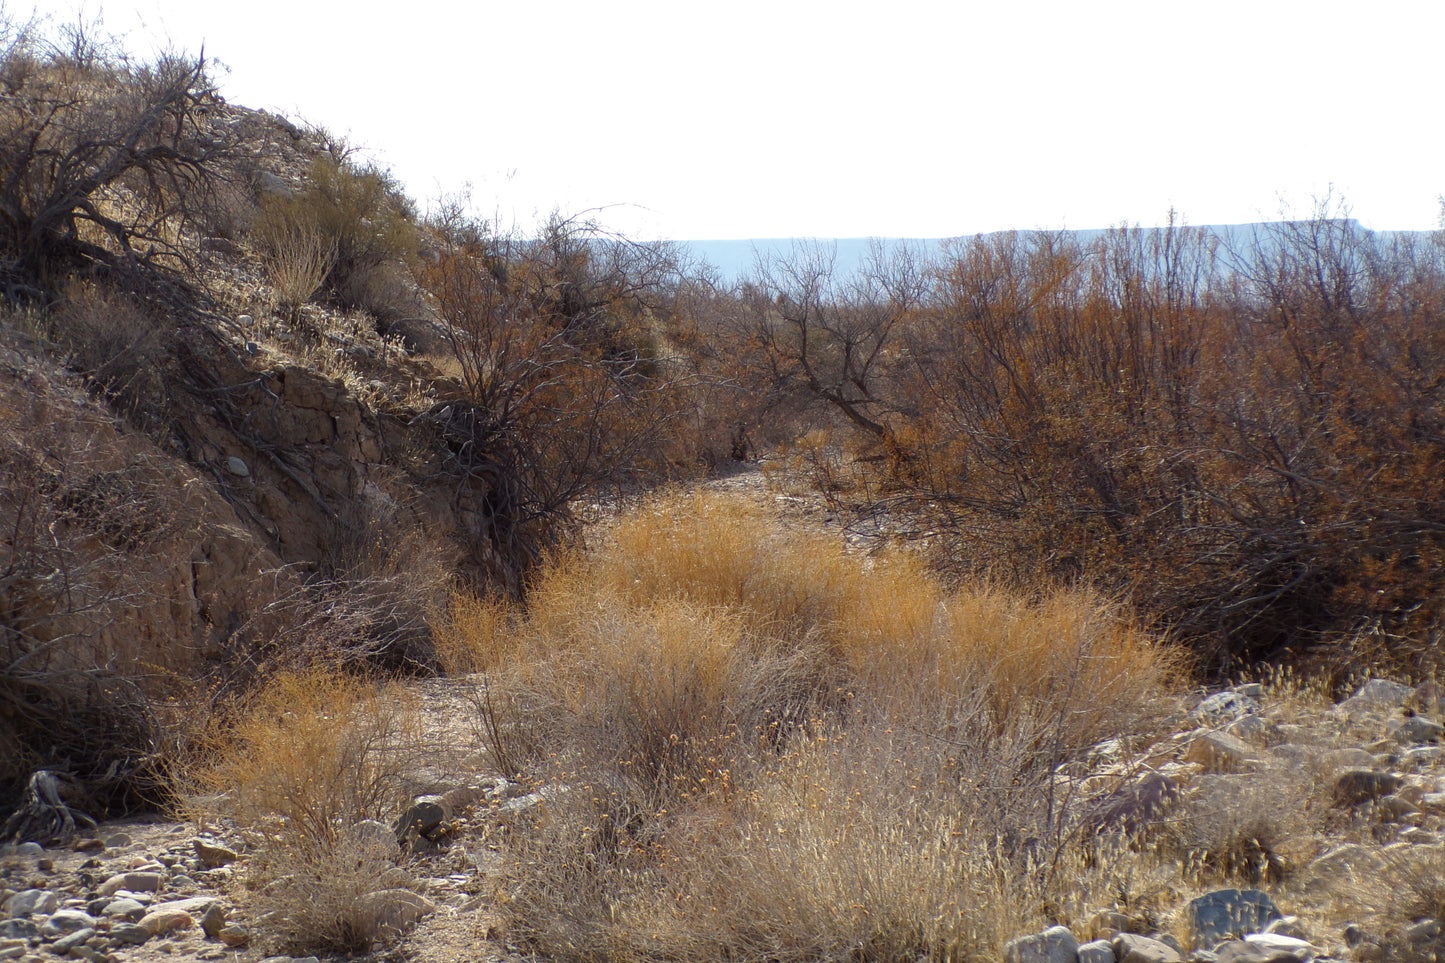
[772, 749]
[297, 765]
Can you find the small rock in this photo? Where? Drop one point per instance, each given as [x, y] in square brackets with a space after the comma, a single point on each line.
[1107, 924]
[88, 845]
[1054, 945]
[392, 911]
[125, 909]
[117, 841]
[63, 945]
[238, 467]
[213, 854]
[1251, 950]
[1224, 707]
[29, 850]
[1229, 912]
[1355, 786]
[1417, 730]
[1096, 951]
[159, 921]
[129, 934]
[1352, 757]
[213, 920]
[31, 901]
[1301, 949]
[1250, 729]
[1286, 926]
[1217, 752]
[19, 929]
[1395, 808]
[1133, 948]
[66, 921]
[234, 934]
[135, 882]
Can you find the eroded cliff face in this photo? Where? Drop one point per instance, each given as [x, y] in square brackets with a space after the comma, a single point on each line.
[113, 551]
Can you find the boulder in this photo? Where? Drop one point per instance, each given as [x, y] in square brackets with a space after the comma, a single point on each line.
[1229, 912]
[1133, 948]
[1355, 786]
[1132, 806]
[1096, 951]
[1377, 696]
[1054, 945]
[1217, 751]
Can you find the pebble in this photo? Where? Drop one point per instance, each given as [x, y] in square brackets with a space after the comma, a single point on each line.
[66, 921]
[31, 901]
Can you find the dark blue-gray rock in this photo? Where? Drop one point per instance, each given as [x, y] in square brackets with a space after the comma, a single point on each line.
[1054, 945]
[19, 929]
[1223, 707]
[1227, 913]
[66, 921]
[421, 820]
[1131, 807]
[63, 945]
[1355, 786]
[1096, 951]
[124, 908]
[1133, 948]
[1424, 931]
[30, 849]
[129, 934]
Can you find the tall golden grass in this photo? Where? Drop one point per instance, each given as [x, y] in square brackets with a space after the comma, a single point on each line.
[773, 748]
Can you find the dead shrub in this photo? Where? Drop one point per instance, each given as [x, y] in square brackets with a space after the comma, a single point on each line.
[351, 223]
[297, 764]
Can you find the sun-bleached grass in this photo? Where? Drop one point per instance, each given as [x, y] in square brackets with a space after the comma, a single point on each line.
[775, 749]
[295, 766]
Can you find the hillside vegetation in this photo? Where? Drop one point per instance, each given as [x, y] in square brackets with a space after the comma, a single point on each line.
[274, 444]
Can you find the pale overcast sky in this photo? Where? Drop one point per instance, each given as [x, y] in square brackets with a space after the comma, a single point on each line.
[772, 118]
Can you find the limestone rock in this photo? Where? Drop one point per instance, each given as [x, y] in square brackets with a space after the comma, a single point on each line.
[1133, 948]
[1054, 945]
[124, 908]
[1377, 695]
[234, 934]
[66, 921]
[390, 912]
[159, 921]
[31, 901]
[1217, 752]
[1096, 951]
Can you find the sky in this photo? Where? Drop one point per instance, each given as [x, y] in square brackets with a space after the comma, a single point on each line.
[684, 119]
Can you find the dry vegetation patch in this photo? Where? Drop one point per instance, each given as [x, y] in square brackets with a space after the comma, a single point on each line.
[764, 747]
